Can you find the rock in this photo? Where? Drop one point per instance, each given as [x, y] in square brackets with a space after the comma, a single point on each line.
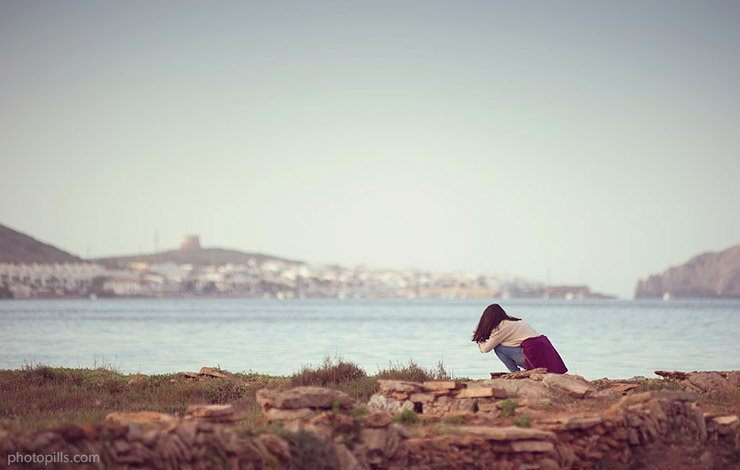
[463, 405]
[275, 446]
[378, 419]
[441, 385]
[536, 374]
[399, 386]
[519, 388]
[705, 275]
[346, 459]
[569, 423]
[140, 417]
[277, 414]
[213, 372]
[572, 385]
[672, 375]
[548, 464]
[304, 397]
[487, 406]
[709, 382]
[532, 446]
[422, 397]
[482, 392]
[391, 406]
[374, 438]
[215, 413]
[510, 433]
[190, 375]
[726, 424]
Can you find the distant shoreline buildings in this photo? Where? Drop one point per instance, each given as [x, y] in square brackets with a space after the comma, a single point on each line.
[193, 271]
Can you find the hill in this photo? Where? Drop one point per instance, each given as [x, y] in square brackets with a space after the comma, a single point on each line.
[706, 275]
[196, 257]
[16, 247]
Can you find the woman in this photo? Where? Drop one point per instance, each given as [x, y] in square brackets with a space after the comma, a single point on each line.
[515, 342]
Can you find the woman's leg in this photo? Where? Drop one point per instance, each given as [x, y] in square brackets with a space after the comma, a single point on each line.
[513, 358]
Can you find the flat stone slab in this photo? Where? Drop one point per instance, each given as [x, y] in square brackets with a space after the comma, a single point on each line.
[304, 397]
[572, 385]
[509, 433]
[482, 392]
[399, 386]
[527, 388]
[570, 423]
[140, 417]
[532, 446]
[441, 385]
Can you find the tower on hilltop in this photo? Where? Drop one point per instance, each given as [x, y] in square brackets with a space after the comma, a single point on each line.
[190, 242]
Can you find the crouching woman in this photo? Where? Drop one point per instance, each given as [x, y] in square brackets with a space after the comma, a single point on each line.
[515, 342]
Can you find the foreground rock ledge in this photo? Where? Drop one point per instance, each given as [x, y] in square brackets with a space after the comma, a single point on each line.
[464, 430]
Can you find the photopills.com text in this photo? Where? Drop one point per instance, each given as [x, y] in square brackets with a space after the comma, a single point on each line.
[54, 457]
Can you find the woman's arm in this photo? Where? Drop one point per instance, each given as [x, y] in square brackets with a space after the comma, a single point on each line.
[493, 341]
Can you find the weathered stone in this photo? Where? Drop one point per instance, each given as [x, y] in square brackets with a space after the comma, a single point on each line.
[346, 459]
[726, 424]
[190, 375]
[548, 464]
[140, 417]
[399, 386]
[304, 397]
[400, 395]
[121, 445]
[276, 414]
[210, 411]
[275, 446]
[569, 423]
[519, 388]
[535, 374]
[463, 405]
[441, 385]
[213, 372]
[510, 433]
[487, 406]
[379, 419]
[134, 432]
[148, 437]
[392, 406]
[532, 446]
[572, 385]
[672, 375]
[422, 397]
[374, 438]
[482, 392]
[710, 382]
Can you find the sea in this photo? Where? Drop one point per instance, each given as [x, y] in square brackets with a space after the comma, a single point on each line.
[595, 338]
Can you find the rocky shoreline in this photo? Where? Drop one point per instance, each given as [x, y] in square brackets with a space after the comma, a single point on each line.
[523, 421]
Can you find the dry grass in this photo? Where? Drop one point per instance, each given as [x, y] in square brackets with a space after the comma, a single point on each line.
[37, 397]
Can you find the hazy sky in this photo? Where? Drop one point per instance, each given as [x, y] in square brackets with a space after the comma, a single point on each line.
[585, 142]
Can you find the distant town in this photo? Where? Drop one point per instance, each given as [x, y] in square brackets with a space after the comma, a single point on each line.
[193, 271]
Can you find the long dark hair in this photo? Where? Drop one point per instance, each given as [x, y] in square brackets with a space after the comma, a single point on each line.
[492, 316]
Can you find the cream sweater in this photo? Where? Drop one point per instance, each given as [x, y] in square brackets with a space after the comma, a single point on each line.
[508, 333]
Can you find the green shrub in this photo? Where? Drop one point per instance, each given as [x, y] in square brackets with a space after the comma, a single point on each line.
[522, 421]
[406, 417]
[508, 407]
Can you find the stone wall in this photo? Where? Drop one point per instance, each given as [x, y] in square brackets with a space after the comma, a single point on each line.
[306, 425]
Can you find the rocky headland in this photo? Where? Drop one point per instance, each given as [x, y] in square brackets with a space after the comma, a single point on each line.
[706, 275]
[522, 421]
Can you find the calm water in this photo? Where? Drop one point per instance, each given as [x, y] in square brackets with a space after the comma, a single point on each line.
[596, 338]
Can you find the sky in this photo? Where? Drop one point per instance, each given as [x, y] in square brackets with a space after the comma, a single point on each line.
[589, 142]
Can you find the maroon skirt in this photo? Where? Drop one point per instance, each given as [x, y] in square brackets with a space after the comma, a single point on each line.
[539, 352]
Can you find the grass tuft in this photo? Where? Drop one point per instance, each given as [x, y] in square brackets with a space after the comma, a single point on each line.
[413, 372]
